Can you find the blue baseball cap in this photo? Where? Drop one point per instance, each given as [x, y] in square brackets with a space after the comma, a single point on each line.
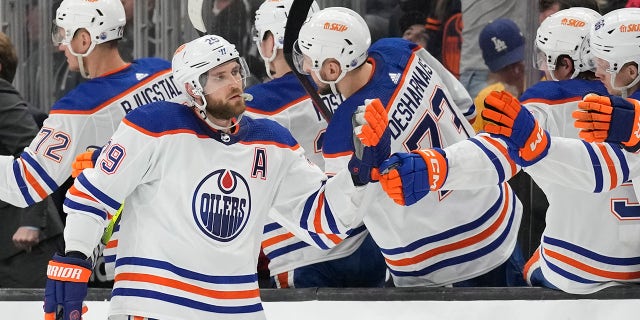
[501, 43]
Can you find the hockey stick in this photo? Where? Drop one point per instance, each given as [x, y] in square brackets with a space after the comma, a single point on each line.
[297, 16]
[108, 231]
[195, 12]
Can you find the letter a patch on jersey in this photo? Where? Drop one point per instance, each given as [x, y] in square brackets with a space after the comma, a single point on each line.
[259, 169]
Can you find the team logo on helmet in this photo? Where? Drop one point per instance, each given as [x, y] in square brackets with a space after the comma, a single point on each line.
[573, 23]
[599, 24]
[221, 205]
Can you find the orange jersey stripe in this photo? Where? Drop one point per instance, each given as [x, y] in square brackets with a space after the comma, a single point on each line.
[115, 98]
[610, 166]
[456, 245]
[112, 244]
[503, 151]
[285, 107]
[338, 155]
[180, 285]
[33, 182]
[74, 191]
[317, 221]
[277, 239]
[534, 258]
[592, 270]
[283, 279]
[551, 102]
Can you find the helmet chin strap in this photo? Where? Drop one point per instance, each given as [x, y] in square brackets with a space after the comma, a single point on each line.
[268, 60]
[624, 92]
[80, 57]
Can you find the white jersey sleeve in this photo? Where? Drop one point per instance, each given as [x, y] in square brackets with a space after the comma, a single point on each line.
[593, 167]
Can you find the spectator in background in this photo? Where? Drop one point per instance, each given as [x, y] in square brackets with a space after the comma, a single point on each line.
[549, 7]
[230, 20]
[403, 7]
[28, 236]
[475, 16]
[412, 26]
[444, 31]
[632, 4]
[126, 44]
[502, 46]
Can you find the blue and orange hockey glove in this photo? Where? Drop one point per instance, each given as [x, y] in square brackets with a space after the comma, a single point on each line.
[408, 177]
[609, 119]
[505, 117]
[66, 287]
[371, 140]
[85, 160]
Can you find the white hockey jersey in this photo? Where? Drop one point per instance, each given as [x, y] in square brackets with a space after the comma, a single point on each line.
[569, 256]
[591, 240]
[285, 101]
[448, 236]
[196, 202]
[87, 116]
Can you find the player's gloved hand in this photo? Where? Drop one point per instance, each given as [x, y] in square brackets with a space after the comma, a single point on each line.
[527, 141]
[609, 119]
[85, 160]
[66, 287]
[408, 177]
[371, 140]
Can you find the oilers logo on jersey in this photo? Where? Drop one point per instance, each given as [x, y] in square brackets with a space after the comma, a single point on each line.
[222, 205]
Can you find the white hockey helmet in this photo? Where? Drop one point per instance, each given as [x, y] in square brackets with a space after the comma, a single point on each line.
[103, 19]
[566, 32]
[192, 61]
[333, 33]
[272, 16]
[616, 39]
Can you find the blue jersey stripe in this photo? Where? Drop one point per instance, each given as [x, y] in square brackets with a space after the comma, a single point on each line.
[623, 163]
[597, 169]
[24, 189]
[85, 208]
[115, 205]
[271, 226]
[306, 213]
[286, 249]
[189, 303]
[566, 273]
[590, 254]
[474, 255]
[451, 232]
[492, 156]
[158, 264]
[42, 173]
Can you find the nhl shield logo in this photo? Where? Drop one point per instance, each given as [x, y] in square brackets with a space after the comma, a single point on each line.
[221, 205]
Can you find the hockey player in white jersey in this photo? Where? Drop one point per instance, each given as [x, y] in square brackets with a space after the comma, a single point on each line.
[198, 183]
[570, 257]
[88, 33]
[448, 236]
[356, 261]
